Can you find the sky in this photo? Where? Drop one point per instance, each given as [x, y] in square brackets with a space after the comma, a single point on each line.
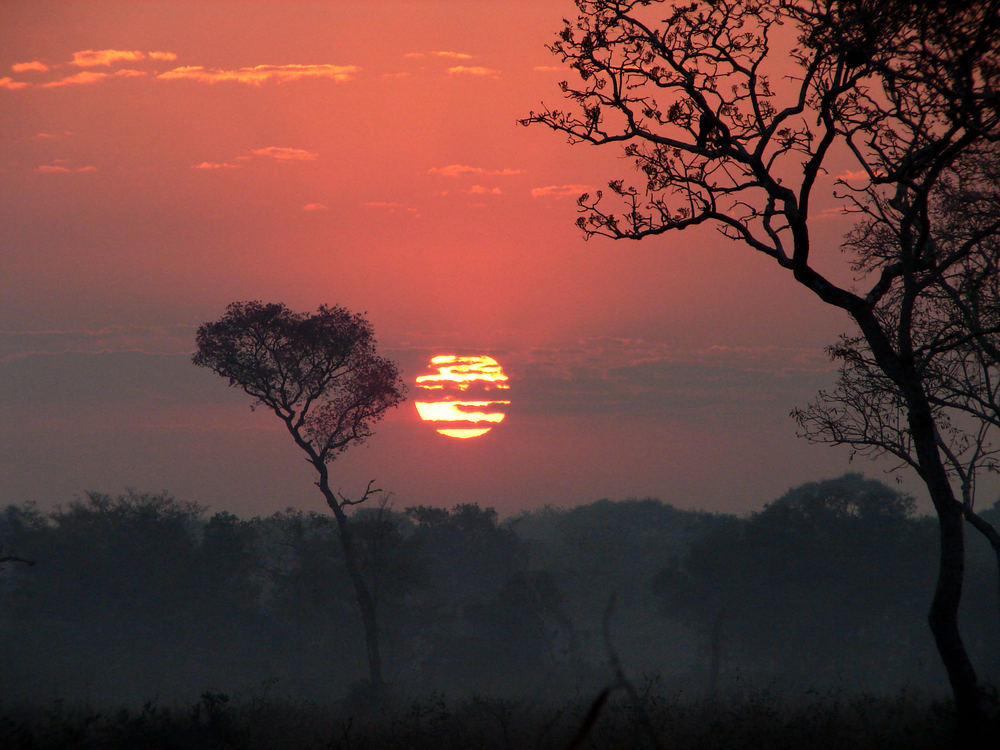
[163, 159]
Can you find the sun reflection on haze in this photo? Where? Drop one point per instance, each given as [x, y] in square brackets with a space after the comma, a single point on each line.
[460, 387]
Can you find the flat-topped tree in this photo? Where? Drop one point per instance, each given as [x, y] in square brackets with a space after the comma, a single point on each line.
[733, 112]
[323, 378]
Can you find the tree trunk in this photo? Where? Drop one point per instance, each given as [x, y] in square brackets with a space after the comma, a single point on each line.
[366, 604]
[943, 615]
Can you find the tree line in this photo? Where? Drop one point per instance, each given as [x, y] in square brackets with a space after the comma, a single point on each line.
[144, 596]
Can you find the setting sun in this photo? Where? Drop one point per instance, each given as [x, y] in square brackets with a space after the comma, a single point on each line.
[460, 387]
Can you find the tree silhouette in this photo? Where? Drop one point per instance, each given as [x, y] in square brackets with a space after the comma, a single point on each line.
[701, 96]
[954, 319]
[322, 377]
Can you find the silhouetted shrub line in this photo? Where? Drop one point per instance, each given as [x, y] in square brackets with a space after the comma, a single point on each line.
[822, 722]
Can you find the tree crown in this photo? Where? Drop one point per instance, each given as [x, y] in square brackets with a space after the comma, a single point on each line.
[320, 372]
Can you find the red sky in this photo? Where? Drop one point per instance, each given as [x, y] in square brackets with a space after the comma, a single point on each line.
[162, 159]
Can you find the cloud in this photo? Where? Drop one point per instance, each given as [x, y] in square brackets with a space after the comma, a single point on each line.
[62, 169]
[47, 136]
[318, 207]
[473, 70]
[560, 191]
[161, 55]
[216, 165]
[279, 153]
[77, 79]
[261, 74]
[392, 207]
[283, 153]
[91, 57]
[480, 190]
[457, 170]
[413, 55]
[450, 55]
[11, 84]
[33, 65]
[548, 69]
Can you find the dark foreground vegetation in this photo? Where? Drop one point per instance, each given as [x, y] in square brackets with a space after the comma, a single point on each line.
[731, 631]
[752, 721]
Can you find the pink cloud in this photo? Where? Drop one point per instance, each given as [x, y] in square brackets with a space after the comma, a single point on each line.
[315, 207]
[560, 191]
[480, 190]
[11, 84]
[61, 169]
[283, 153]
[77, 79]
[474, 70]
[161, 55]
[90, 57]
[216, 165]
[457, 170]
[34, 65]
[451, 55]
[261, 74]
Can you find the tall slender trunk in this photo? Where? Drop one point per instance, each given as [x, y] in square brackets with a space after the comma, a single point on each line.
[366, 603]
[943, 615]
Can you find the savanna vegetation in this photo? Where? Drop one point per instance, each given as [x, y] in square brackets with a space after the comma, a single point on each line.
[495, 632]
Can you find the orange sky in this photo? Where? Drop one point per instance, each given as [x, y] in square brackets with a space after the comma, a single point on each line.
[162, 159]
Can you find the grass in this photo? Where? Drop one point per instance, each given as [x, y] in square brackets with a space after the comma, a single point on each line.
[815, 722]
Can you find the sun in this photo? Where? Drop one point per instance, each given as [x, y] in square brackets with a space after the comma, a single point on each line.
[458, 393]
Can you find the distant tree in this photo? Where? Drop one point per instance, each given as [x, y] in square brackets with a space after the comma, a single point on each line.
[321, 376]
[888, 94]
[827, 564]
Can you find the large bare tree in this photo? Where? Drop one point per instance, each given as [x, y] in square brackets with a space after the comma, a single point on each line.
[734, 111]
[322, 377]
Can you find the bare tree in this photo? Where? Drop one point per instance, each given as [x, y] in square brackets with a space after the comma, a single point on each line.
[322, 377]
[954, 321]
[733, 111]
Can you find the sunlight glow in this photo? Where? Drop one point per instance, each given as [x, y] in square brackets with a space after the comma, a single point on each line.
[464, 433]
[455, 382]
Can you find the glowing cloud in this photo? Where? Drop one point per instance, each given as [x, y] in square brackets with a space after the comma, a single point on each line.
[480, 190]
[283, 153]
[457, 170]
[560, 191]
[25, 67]
[216, 165]
[90, 57]
[77, 79]
[450, 55]
[11, 84]
[473, 70]
[161, 55]
[315, 207]
[61, 169]
[258, 75]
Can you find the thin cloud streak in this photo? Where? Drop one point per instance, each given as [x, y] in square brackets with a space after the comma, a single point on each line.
[457, 170]
[283, 153]
[60, 169]
[560, 191]
[36, 66]
[88, 58]
[473, 70]
[258, 75]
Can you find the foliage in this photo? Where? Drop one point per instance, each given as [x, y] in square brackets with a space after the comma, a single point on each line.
[319, 373]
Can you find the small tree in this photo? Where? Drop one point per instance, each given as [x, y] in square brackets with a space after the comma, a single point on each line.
[322, 377]
[728, 130]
